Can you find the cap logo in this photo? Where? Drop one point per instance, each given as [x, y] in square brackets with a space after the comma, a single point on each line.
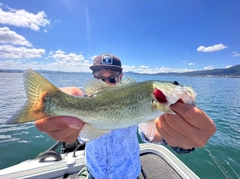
[107, 59]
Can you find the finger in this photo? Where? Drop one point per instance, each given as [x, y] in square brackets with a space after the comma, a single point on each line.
[72, 91]
[57, 123]
[183, 134]
[191, 114]
[160, 131]
[173, 137]
[181, 126]
[66, 135]
[197, 118]
[72, 138]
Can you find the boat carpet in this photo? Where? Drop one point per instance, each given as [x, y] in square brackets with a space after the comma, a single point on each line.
[155, 167]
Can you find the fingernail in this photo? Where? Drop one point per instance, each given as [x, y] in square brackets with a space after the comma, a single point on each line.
[73, 126]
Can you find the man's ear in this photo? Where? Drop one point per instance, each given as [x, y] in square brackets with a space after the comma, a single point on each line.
[120, 76]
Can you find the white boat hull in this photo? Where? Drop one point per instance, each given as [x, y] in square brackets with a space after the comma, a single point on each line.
[70, 165]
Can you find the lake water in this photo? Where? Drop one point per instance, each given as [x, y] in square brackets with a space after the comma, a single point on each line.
[218, 97]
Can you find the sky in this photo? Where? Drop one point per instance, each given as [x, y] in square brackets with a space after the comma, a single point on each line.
[149, 36]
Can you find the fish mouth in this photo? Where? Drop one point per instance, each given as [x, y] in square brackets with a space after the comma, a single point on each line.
[159, 96]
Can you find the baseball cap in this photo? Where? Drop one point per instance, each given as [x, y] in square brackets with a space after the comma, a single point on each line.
[107, 61]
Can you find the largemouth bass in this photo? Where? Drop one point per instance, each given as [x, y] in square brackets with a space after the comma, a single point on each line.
[105, 108]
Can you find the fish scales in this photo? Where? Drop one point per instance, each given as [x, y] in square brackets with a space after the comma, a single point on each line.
[105, 108]
[109, 109]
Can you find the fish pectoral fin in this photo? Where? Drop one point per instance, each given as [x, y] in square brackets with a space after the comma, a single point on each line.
[148, 129]
[88, 133]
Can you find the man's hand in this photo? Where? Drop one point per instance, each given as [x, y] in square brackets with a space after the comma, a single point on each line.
[63, 128]
[191, 127]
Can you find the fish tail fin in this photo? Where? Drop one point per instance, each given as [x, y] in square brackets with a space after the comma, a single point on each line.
[36, 87]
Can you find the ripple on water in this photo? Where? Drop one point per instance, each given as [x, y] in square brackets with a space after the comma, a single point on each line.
[24, 141]
[10, 128]
[218, 97]
[9, 140]
[13, 133]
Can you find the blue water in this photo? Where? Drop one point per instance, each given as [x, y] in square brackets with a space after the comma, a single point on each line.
[218, 97]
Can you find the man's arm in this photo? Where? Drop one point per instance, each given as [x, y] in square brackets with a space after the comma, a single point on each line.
[62, 128]
[190, 128]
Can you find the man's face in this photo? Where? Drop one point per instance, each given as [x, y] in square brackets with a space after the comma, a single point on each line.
[112, 78]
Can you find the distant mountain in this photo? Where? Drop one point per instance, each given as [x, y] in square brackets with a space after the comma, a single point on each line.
[233, 71]
[10, 71]
[39, 71]
[130, 73]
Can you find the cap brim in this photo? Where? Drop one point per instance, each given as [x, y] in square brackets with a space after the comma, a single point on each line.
[110, 67]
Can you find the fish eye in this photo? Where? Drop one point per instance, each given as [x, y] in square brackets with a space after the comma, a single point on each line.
[175, 83]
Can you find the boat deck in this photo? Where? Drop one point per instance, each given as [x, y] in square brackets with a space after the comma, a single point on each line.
[156, 160]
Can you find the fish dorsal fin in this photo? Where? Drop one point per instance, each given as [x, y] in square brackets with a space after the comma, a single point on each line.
[128, 80]
[94, 85]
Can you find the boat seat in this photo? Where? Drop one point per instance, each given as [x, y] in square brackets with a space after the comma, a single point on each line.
[155, 167]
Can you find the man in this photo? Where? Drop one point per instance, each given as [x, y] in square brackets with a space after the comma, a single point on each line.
[116, 154]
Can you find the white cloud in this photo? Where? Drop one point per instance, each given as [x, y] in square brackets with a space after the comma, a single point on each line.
[68, 62]
[208, 68]
[236, 54]
[10, 37]
[229, 66]
[12, 64]
[61, 56]
[39, 65]
[211, 48]
[184, 62]
[146, 69]
[9, 51]
[187, 63]
[78, 66]
[22, 18]
[72, 62]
